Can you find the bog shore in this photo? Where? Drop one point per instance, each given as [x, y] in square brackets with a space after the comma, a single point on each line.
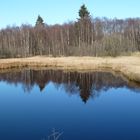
[129, 66]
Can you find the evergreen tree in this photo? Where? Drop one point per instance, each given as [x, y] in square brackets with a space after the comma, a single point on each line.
[39, 21]
[83, 12]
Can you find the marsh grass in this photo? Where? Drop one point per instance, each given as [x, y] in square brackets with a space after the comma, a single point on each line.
[129, 66]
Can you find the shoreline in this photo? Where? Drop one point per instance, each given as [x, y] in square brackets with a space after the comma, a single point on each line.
[129, 66]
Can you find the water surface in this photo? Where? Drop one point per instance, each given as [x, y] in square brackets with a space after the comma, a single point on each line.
[83, 106]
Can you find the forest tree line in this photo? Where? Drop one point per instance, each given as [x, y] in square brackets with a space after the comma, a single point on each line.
[85, 37]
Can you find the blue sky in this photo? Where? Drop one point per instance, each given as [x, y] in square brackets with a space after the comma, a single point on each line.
[16, 12]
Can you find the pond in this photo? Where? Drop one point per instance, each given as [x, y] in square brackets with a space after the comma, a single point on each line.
[36, 104]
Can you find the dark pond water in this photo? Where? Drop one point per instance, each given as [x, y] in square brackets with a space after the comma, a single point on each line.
[79, 106]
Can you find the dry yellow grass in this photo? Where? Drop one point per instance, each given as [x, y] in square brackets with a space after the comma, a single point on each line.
[129, 66]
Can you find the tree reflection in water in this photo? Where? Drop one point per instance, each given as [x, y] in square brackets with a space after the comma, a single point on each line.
[85, 84]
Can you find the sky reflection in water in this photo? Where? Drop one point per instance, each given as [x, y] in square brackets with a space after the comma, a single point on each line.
[95, 105]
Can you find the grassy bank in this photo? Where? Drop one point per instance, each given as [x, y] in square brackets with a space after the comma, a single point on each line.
[129, 66]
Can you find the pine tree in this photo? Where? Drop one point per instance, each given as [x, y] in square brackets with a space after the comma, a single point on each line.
[40, 21]
[85, 31]
[83, 12]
